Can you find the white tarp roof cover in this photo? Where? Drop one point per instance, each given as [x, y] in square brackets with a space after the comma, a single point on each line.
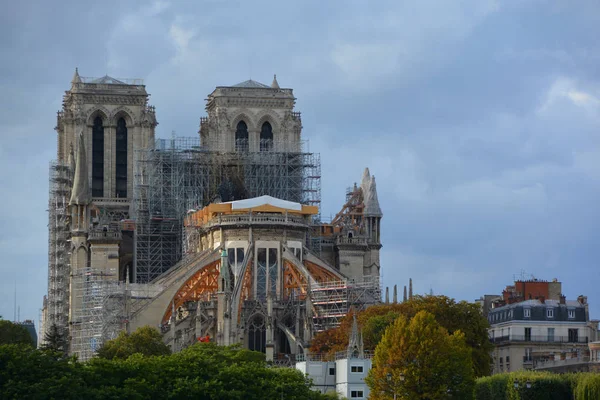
[263, 200]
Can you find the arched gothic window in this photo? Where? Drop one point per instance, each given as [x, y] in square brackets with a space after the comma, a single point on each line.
[98, 158]
[121, 159]
[266, 137]
[241, 137]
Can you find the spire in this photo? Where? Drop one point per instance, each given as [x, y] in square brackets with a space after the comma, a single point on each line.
[410, 292]
[372, 208]
[76, 77]
[80, 194]
[395, 294]
[365, 182]
[275, 84]
[355, 345]
[404, 297]
[387, 295]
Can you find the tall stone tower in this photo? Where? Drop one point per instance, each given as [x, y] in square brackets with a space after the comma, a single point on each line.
[104, 121]
[116, 120]
[251, 117]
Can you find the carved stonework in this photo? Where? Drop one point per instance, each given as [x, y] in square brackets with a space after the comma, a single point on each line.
[115, 99]
[223, 120]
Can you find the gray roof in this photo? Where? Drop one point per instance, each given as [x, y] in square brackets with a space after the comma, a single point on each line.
[538, 303]
[252, 84]
[108, 80]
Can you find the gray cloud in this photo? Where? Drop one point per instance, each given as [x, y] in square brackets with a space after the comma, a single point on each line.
[478, 118]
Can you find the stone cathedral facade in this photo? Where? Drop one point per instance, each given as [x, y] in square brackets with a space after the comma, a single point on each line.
[219, 239]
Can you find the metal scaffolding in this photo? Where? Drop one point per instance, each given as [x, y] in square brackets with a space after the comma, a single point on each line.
[333, 300]
[58, 246]
[179, 174]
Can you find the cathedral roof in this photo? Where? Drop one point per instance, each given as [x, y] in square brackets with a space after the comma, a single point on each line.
[108, 80]
[251, 84]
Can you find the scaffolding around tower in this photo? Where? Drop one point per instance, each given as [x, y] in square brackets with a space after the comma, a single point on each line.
[60, 181]
[179, 175]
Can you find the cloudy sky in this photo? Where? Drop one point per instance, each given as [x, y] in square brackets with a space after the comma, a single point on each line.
[480, 120]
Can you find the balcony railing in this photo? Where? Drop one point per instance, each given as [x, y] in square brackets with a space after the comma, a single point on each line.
[542, 339]
[351, 241]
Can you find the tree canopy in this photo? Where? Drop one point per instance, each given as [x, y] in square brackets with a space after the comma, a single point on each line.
[451, 315]
[417, 359]
[145, 340]
[11, 333]
[202, 371]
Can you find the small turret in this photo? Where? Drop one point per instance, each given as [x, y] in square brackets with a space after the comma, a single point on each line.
[372, 208]
[355, 345]
[76, 77]
[275, 84]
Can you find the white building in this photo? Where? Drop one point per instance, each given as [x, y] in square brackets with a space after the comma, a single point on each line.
[346, 375]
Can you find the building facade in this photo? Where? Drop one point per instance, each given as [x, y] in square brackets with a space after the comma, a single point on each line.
[346, 374]
[532, 324]
[216, 236]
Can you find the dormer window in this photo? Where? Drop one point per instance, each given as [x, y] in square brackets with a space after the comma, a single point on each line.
[571, 314]
[527, 312]
[550, 312]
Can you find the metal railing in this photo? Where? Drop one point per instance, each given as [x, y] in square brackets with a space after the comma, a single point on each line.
[541, 338]
[353, 241]
[102, 235]
[103, 80]
[245, 219]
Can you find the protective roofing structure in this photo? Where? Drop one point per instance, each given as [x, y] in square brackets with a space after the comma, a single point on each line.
[265, 200]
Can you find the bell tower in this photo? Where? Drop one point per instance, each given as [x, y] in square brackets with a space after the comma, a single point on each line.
[116, 120]
[251, 117]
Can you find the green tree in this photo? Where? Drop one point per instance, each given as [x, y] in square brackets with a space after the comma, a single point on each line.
[55, 340]
[145, 340]
[417, 359]
[27, 373]
[11, 333]
[452, 315]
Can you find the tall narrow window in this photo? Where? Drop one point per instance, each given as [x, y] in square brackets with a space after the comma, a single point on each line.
[98, 158]
[261, 273]
[273, 271]
[121, 159]
[241, 137]
[266, 137]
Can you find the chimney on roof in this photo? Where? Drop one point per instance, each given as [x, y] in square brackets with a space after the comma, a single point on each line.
[563, 299]
[582, 299]
[542, 299]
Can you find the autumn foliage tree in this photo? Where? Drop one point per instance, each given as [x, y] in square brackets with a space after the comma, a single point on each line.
[417, 359]
[451, 315]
